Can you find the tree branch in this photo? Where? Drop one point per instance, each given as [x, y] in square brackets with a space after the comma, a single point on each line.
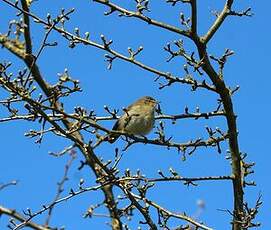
[172, 214]
[106, 46]
[17, 216]
[127, 13]
[88, 153]
[27, 37]
[218, 22]
[230, 116]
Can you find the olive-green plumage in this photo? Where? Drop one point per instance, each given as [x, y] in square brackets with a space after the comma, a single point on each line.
[138, 118]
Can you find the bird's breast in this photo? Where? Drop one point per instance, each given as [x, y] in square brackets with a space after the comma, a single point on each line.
[140, 124]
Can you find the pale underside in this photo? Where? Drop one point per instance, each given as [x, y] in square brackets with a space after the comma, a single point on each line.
[139, 121]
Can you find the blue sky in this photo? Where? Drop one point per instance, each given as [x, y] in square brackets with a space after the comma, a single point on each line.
[38, 172]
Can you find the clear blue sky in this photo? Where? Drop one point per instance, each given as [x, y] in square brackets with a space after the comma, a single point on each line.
[38, 172]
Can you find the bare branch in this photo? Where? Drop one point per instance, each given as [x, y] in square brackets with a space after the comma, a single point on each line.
[127, 13]
[218, 22]
[60, 186]
[17, 216]
[172, 214]
[5, 185]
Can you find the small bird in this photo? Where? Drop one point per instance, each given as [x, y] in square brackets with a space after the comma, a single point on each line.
[138, 118]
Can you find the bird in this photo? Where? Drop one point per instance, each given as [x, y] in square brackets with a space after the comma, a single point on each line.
[138, 118]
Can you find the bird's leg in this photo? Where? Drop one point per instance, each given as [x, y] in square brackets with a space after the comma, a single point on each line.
[145, 138]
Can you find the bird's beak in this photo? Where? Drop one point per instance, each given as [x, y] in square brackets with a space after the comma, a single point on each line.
[157, 102]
